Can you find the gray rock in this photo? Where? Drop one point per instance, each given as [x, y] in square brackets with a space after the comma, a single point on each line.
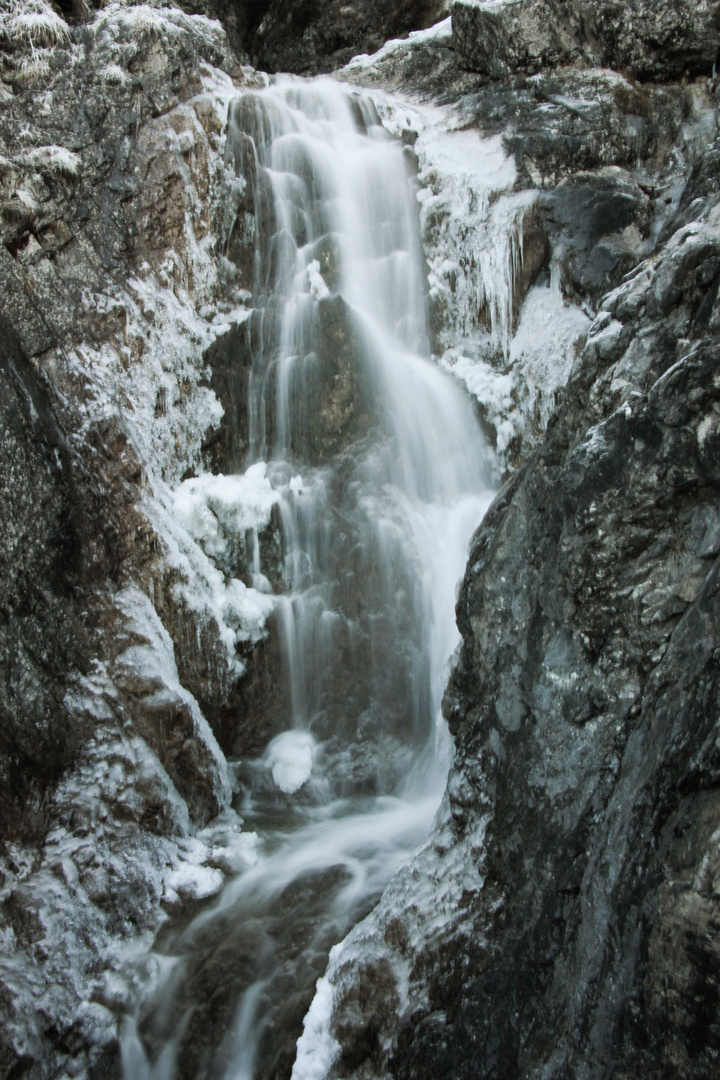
[503, 37]
[648, 39]
[309, 37]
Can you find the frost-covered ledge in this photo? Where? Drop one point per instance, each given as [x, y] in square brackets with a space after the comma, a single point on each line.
[115, 201]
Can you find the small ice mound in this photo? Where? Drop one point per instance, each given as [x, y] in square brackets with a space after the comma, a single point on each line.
[290, 759]
[296, 485]
[318, 288]
[213, 507]
[192, 882]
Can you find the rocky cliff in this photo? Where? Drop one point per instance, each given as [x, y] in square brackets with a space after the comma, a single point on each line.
[562, 919]
[111, 140]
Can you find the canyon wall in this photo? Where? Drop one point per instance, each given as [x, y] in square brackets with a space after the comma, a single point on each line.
[562, 919]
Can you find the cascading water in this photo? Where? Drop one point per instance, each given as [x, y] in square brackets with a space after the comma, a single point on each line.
[382, 476]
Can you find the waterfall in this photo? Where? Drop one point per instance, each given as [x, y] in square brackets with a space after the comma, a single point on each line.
[382, 476]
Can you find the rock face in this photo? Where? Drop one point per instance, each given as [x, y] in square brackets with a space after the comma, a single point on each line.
[561, 922]
[579, 691]
[43, 552]
[110, 138]
[498, 39]
[312, 37]
[648, 39]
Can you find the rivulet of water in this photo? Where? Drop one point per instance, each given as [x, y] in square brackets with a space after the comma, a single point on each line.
[382, 475]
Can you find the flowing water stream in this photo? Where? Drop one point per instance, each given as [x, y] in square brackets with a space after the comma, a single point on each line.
[383, 476]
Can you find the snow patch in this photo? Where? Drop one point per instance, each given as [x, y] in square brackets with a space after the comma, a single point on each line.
[193, 882]
[239, 612]
[519, 398]
[214, 507]
[317, 1050]
[56, 159]
[318, 288]
[440, 33]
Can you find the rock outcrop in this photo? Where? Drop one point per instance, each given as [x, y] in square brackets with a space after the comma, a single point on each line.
[112, 187]
[309, 38]
[647, 40]
[562, 920]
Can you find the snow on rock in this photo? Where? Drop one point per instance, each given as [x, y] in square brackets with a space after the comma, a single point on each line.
[203, 860]
[130, 333]
[473, 222]
[236, 611]
[146, 20]
[192, 879]
[317, 1050]
[214, 507]
[440, 32]
[229, 848]
[318, 288]
[426, 898]
[154, 661]
[470, 217]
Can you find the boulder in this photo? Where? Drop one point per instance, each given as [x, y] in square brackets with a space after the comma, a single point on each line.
[502, 37]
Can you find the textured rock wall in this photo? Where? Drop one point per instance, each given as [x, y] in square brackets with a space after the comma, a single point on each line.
[312, 37]
[648, 39]
[112, 198]
[562, 920]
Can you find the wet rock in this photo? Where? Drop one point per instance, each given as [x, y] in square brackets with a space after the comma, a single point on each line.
[340, 398]
[260, 707]
[535, 257]
[656, 40]
[256, 938]
[597, 223]
[230, 361]
[42, 555]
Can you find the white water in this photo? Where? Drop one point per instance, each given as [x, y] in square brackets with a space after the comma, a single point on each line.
[382, 476]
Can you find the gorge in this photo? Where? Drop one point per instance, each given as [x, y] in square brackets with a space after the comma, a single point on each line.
[291, 364]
